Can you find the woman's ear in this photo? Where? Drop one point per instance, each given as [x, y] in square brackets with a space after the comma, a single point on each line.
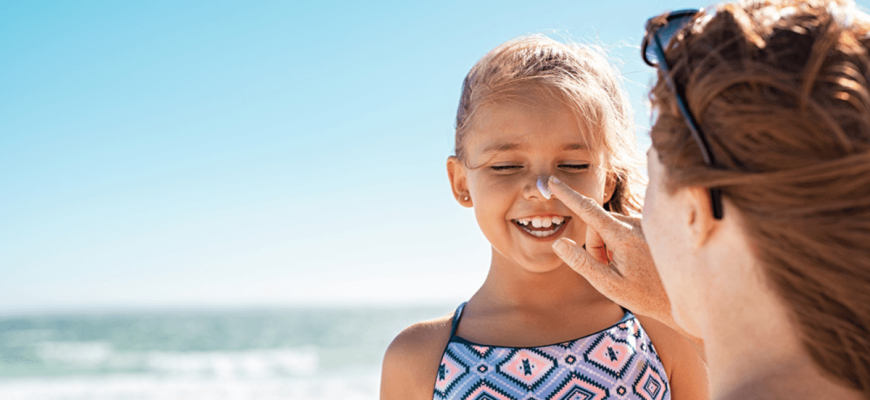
[699, 215]
[457, 173]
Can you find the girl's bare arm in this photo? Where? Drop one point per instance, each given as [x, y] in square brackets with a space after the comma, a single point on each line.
[412, 360]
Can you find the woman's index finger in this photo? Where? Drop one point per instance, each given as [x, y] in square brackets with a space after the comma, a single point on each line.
[587, 209]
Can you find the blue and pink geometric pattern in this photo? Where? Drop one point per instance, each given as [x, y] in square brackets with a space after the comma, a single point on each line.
[617, 363]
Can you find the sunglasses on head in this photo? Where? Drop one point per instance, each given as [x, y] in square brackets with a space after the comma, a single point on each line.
[658, 34]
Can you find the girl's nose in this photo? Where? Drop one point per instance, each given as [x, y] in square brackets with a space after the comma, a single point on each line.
[544, 187]
[537, 188]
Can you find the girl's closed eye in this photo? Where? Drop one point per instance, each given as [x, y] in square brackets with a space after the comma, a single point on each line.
[574, 167]
[506, 167]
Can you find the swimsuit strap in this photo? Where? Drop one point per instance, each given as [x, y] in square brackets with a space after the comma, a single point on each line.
[456, 317]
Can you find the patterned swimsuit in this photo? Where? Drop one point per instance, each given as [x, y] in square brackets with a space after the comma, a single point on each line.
[619, 362]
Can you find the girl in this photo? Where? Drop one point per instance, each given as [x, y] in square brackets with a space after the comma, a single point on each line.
[532, 108]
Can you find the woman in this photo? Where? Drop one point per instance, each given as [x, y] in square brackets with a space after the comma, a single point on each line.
[758, 210]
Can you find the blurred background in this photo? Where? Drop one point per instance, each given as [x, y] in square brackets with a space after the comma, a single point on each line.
[244, 200]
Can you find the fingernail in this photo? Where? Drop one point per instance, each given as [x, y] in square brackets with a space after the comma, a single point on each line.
[555, 180]
[544, 189]
[560, 246]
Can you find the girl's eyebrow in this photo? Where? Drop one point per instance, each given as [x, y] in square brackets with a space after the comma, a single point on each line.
[575, 146]
[495, 148]
[500, 147]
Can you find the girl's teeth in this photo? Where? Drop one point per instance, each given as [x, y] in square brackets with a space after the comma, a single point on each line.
[542, 222]
[541, 234]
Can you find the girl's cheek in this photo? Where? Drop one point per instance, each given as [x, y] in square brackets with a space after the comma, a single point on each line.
[503, 182]
[584, 185]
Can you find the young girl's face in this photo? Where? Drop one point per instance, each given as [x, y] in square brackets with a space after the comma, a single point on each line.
[509, 147]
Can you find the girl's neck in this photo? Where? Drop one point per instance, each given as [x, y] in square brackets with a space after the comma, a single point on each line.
[510, 285]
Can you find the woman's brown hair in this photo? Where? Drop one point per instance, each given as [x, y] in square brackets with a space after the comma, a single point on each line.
[780, 88]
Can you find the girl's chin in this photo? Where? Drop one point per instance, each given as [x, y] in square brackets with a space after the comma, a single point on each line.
[537, 264]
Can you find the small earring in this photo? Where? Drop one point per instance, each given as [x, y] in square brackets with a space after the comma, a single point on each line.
[465, 198]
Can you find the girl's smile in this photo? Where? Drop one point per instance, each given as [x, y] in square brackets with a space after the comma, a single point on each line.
[542, 227]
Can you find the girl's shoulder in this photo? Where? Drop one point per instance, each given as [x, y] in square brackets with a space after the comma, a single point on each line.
[412, 359]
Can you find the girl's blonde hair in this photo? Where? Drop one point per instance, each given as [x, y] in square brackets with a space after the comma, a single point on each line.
[580, 77]
[781, 89]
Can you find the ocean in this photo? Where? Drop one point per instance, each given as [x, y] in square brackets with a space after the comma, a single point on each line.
[293, 353]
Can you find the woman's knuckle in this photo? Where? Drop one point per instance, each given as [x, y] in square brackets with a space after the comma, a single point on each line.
[588, 205]
[577, 261]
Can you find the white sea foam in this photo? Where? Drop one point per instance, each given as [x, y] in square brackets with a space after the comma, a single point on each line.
[86, 355]
[290, 373]
[117, 387]
[256, 364]
[247, 364]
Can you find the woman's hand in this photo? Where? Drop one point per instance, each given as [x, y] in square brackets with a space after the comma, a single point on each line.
[616, 260]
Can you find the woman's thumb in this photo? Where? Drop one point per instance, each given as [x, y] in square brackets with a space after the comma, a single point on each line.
[598, 274]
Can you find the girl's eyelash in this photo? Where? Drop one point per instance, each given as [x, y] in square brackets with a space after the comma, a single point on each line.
[568, 166]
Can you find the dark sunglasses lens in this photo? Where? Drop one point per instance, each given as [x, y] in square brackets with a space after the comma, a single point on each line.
[665, 34]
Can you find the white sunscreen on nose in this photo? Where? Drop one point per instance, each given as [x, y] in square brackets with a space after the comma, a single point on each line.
[544, 188]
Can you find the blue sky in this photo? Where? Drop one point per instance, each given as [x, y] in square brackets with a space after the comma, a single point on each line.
[229, 153]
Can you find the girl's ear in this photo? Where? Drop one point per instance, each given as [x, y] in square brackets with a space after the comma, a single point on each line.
[456, 171]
